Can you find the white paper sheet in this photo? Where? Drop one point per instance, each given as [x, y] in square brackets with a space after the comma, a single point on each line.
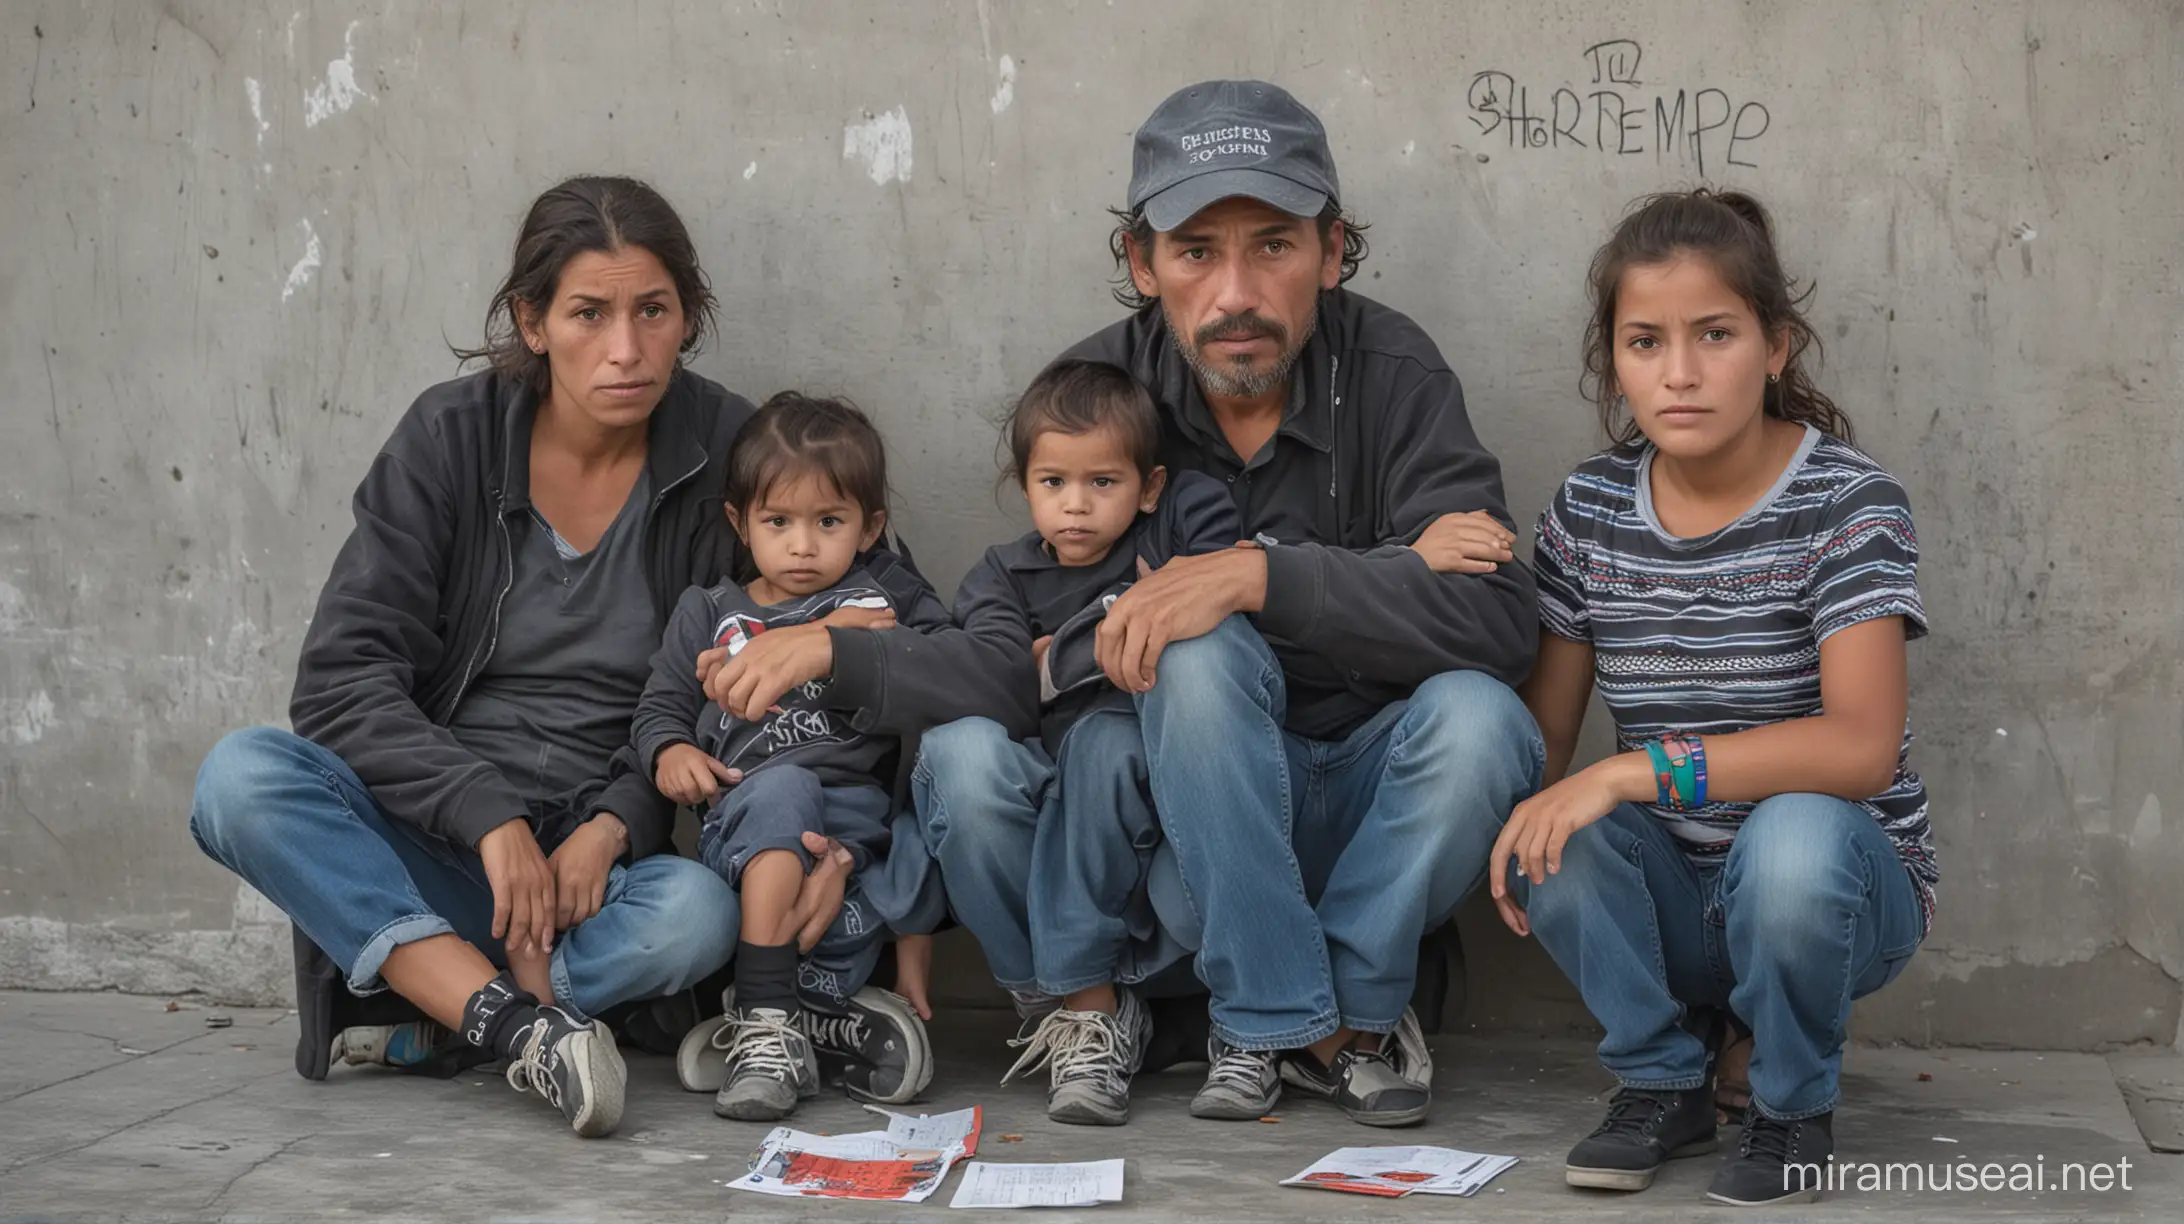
[986, 1184]
[1393, 1172]
[936, 1132]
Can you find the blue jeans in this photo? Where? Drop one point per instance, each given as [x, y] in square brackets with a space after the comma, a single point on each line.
[1810, 909]
[1054, 863]
[771, 809]
[1314, 866]
[294, 821]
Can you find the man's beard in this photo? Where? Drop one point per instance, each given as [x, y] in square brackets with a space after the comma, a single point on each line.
[1240, 379]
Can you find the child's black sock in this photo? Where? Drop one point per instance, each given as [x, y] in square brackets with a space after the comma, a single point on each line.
[766, 977]
[496, 1015]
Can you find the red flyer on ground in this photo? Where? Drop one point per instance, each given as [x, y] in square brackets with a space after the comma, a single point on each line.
[904, 1163]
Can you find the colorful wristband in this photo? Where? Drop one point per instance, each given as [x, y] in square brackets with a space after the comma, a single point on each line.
[1696, 749]
[1680, 773]
[1664, 774]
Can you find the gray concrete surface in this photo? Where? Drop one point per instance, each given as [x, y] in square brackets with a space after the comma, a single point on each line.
[118, 1109]
[239, 237]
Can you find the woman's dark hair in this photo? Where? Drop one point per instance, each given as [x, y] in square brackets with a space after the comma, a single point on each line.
[587, 213]
[1134, 227]
[1731, 231]
[795, 435]
[1074, 396]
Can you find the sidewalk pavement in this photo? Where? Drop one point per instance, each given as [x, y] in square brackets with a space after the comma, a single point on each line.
[115, 1108]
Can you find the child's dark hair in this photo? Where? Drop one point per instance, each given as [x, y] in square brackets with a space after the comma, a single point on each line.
[1731, 230]
[1074, 396]
[794, 435]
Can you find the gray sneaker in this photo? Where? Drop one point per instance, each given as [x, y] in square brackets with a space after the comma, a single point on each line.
[1391, 1086]
[1090, 1057]
[770, 1066]
[572, 1064]
[1241, 1085]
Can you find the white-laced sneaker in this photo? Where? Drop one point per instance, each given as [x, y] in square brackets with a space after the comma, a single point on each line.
[574, 1066]
[769, 1065]
[1090, 1057]
[1241, 1085]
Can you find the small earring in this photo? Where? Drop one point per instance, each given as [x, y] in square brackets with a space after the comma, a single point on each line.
[1774, 378]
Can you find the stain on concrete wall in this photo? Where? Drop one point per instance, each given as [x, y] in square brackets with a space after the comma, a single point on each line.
[239, 239]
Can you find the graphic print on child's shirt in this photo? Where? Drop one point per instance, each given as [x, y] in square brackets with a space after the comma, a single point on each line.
[796, 721]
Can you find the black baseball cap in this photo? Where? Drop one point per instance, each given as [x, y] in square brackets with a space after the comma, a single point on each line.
[1218, 139]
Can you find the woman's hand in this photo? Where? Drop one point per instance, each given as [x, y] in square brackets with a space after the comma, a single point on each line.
[523, 887]
[581, 864]
[1540, 826]
[688, 775]
[1473, 542]
[768, 667]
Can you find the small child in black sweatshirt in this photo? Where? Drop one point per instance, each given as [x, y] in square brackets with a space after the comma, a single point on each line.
[736, 717]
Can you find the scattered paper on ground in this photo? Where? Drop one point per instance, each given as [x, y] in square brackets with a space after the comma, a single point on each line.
[1392, 1172]
[986, 1184]
[936, 1131]
[904, 1163]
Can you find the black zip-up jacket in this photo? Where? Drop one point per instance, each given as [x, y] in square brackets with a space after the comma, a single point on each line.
[1377, 446]
[410, 612]
[675, 710]
[1018, 593]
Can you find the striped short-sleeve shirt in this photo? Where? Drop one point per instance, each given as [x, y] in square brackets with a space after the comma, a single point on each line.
[1720, 633]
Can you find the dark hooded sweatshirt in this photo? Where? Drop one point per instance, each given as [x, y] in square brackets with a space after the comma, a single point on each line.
[1020, 586]
[410, 613]
[1375, 447]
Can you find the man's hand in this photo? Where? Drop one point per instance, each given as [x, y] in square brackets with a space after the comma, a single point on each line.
[1473, 542]
[688, 775]
[710, 661]
[1181, 600]
[819, 899]
[768, 667]
[580, 866]
[523, 887]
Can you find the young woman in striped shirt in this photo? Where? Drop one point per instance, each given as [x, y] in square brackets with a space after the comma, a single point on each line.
[1739, 582]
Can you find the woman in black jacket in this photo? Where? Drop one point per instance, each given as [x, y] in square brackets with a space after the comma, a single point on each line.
[458, 815]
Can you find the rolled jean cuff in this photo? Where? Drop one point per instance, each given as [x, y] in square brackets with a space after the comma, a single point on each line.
[1323, 1025]
[1680, 1084]
[1799, 1115]
[1377, 1027]
[364, 976]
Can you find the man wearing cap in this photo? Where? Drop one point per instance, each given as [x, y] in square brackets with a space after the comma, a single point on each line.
[1331, 737]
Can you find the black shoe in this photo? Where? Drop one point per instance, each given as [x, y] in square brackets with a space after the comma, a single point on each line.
[1777, 1162]
[1645, 1129]
[574, 1066]
[876, 1041]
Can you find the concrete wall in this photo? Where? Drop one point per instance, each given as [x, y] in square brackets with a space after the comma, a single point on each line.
[237, 238]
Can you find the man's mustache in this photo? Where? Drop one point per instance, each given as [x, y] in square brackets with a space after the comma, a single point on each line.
[1246, 326]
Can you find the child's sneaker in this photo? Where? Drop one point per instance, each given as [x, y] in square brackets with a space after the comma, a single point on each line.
[876, 1039]
[769, 1067]
[575, 1066]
